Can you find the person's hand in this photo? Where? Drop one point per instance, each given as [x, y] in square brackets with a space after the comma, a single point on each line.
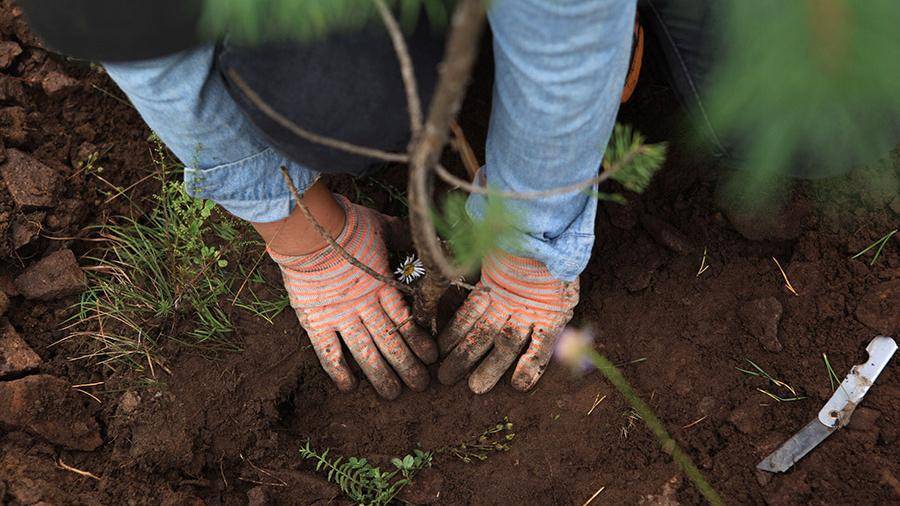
[523, 301]
[333, 297]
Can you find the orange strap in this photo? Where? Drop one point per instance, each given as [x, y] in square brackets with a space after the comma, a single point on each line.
[637, 56]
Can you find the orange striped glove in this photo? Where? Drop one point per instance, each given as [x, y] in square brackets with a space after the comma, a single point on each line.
[523, 302]
[333, 297]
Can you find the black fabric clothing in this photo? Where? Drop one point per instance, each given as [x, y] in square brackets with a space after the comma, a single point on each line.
[347, 86]
[115, 30]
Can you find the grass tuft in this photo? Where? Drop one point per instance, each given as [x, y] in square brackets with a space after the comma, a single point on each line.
[172, 274]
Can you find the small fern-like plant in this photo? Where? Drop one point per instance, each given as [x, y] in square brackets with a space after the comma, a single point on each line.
[364, 483]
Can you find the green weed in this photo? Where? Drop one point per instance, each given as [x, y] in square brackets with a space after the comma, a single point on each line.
[758, 371]
[168, 275]
[496, 438]
[364, 483]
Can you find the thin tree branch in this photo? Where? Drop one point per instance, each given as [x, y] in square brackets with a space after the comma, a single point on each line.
[459, 57]
[303, 133]
[465, 150]
[413, 103]
[334, 245]
[444, 174]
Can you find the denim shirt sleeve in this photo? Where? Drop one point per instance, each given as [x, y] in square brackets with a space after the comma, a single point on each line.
[184, 100]
[559, 71]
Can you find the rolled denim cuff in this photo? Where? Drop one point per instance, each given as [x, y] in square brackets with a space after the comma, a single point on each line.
[251, 188]
[566, 255]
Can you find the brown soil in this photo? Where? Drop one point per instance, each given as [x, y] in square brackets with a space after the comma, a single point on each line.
[227, 430]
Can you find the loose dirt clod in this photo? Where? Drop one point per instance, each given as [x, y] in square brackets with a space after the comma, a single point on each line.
[46, 406]
[4, 303]
[747, 417]
[30, 182]
[16, 357]
[9, 50]
[760, 318]
[12, 125]
[667, 235]
[26, 227]
[56, 275]
[56, 83]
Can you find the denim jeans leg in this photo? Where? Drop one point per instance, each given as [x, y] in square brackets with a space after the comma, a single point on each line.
[559, 71]
[184, 100]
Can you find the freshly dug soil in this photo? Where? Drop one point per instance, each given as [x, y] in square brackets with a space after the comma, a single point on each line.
[226, 430]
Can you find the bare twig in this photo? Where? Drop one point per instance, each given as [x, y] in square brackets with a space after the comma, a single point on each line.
[92, 396]
[413, 104]
[470, 161]
[695, 422]
[703, 265]
[597, 402]
[303, 133]
[601, 489]
[444, 174]
[62, 465]
[334, 245]
[459, 57]
[787, 282]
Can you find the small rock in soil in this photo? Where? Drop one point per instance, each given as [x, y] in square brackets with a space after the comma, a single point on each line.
[56, 275]
[56, 83]
[30, 182]
[11, 89]
[46, 406]
[12, 125]
[425, 489]
[4, 303]
[760, 318]
[26, 227]
[9, 50]
[16, 357]
[667, 235]
[879, 309]
[129, 402]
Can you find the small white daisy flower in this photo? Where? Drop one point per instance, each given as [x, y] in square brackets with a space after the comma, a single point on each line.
[410, 269]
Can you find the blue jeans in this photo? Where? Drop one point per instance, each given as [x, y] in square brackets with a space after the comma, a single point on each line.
[559, 71]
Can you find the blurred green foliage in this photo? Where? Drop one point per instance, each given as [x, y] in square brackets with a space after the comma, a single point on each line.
[470, 240]
[810, 81]
[253, 21]
[633, 161]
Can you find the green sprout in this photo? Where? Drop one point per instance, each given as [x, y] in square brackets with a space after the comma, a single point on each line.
[879, 244]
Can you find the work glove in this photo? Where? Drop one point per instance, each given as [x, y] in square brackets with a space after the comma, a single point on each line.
[522, 301]
[331, 297]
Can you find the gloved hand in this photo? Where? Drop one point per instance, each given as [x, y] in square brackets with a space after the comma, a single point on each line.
[524, 302]
[332, 296]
